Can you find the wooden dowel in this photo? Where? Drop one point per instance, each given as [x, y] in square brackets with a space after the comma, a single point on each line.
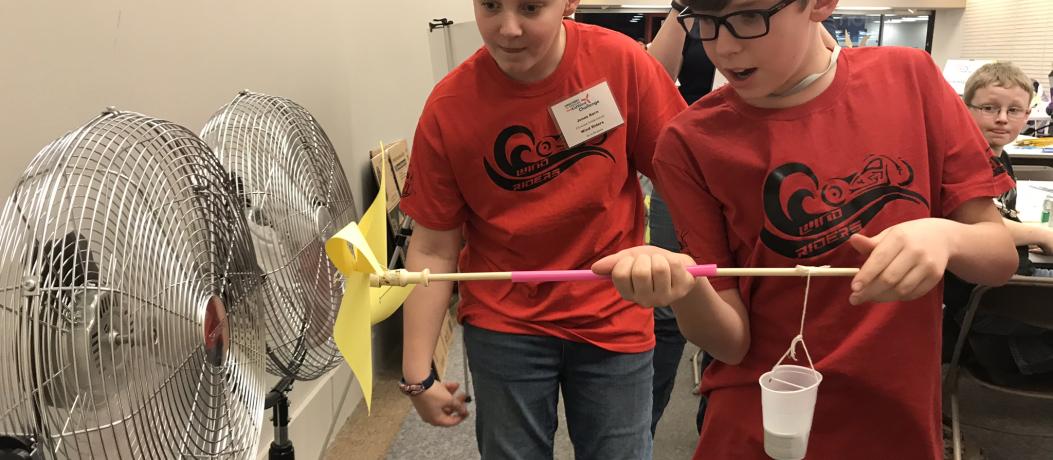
[817, 271]
[476, 276]
[403, 277]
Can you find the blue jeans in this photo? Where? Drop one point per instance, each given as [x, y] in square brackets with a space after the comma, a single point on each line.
[517, 380]
[668, 351]
[669, 344]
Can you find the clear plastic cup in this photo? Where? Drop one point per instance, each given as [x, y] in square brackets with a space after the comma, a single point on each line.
[787, 404]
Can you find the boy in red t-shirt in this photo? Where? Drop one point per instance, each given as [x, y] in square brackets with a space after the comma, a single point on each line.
[494, 172]
[810, 156]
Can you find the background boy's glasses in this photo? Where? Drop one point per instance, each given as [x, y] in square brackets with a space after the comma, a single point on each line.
[743, 24]
[992, 111]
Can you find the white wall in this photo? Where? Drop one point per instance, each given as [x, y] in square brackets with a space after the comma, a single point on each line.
[63, 62]
[362, 68]
[391, 70]
[1013, 30]
[947, 35]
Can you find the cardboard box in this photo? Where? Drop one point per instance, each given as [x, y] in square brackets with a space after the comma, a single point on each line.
[442, 346]
[398, 156]
[392, 189]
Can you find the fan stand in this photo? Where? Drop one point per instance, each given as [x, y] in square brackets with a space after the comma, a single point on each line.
[278, 401]
[19, 448]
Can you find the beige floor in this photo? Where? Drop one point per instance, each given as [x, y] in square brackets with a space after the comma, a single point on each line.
[369, 438]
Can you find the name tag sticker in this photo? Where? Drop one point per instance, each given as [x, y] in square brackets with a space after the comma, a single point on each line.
[587, 114]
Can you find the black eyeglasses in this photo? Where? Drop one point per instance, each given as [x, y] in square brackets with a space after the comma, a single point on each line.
[743, 24]
[993, 111]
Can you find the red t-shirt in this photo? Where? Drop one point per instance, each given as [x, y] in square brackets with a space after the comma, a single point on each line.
[488, 158]
[889, 141]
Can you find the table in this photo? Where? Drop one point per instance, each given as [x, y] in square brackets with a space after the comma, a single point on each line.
[1029, 197]
[1029, 156]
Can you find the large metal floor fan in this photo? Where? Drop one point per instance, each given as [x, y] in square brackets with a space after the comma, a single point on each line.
[295, 196]
[128, 301]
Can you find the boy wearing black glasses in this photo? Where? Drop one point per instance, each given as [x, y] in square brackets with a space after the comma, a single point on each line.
[999, 97]
[813, 156]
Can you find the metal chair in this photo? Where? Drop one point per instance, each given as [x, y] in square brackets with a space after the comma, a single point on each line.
[1025, 299]
[696, 369]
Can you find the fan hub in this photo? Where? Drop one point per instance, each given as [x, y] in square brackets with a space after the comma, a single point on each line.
[325, 223]
[216, 330]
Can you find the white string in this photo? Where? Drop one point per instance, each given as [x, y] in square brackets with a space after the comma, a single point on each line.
[799, 339]
[807, 287]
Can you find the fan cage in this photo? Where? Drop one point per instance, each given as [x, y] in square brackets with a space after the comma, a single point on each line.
[129, 299]
[295, 196]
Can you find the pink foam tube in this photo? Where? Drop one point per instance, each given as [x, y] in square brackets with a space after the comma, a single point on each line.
[588, 275]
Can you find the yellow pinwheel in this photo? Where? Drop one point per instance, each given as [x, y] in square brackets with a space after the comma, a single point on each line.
[372, 292]
[358, 251]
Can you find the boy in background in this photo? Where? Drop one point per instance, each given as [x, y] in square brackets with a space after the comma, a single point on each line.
[998, 96]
